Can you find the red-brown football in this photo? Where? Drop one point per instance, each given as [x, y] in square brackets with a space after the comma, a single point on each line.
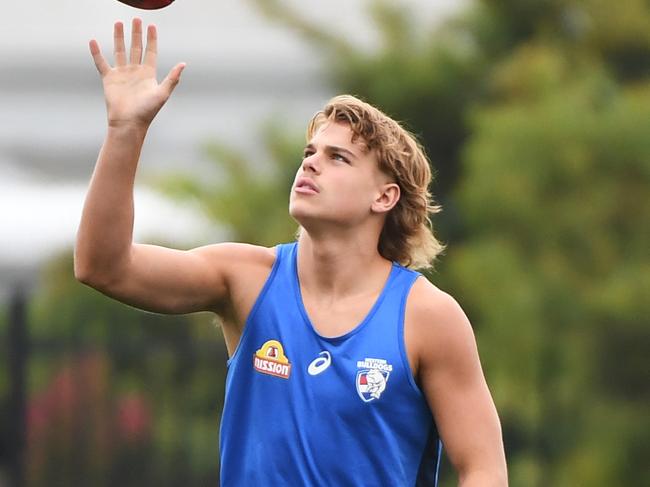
[148, 4]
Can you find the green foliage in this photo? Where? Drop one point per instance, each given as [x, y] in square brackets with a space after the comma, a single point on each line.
[556, 197]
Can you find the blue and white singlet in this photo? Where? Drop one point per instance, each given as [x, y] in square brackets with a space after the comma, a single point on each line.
[306, 410]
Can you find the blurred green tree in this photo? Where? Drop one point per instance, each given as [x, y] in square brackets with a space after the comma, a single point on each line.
[556, 197]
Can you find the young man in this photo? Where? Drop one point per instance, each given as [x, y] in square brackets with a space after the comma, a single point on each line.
[346, 368]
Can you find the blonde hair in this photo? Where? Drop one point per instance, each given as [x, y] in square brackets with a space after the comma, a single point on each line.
[407, 236]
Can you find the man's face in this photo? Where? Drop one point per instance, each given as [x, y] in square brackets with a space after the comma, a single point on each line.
[337, 181]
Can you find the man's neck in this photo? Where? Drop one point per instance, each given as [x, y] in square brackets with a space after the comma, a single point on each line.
[340, 266]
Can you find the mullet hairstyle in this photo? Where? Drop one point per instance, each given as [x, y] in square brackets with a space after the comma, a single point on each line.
[407, 236]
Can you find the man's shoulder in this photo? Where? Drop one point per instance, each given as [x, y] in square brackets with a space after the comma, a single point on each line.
[434, 318]
[427, 301]
[240, 264]
[244, 268]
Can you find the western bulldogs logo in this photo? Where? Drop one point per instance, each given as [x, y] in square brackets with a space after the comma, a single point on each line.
[372, 378]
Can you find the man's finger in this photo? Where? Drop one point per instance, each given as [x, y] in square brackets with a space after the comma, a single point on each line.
[119, 50]
[151, 53]
[102, 66]
[172, 79]
[136, 41]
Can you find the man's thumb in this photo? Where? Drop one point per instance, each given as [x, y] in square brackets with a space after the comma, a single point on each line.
[172, 79]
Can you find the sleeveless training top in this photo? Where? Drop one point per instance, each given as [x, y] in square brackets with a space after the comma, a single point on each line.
[305, 410]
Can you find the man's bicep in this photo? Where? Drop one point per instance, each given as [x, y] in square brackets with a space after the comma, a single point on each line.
[174, 281]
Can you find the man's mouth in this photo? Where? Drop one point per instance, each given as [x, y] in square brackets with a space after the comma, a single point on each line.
[306, 185]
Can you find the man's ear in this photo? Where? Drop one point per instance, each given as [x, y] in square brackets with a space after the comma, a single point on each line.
[386, 199]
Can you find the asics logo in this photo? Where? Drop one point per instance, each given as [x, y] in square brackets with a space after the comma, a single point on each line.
[320, 364]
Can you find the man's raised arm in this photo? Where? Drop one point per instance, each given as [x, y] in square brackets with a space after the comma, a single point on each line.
[146, 276]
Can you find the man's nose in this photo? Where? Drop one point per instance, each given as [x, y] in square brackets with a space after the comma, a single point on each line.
[311, 163]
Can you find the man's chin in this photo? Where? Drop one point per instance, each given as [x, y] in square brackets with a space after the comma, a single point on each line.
[303, 217]
[299, 213]
[300, 217]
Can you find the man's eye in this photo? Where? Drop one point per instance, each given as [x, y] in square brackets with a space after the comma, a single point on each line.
[306, 154]
[339, 157]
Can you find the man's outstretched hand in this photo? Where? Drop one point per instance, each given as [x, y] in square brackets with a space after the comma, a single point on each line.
[133, 95]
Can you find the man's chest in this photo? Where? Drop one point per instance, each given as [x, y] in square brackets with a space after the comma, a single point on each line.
[333, 319]
[344, 377]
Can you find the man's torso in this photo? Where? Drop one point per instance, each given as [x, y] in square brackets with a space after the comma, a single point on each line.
[325, 401]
